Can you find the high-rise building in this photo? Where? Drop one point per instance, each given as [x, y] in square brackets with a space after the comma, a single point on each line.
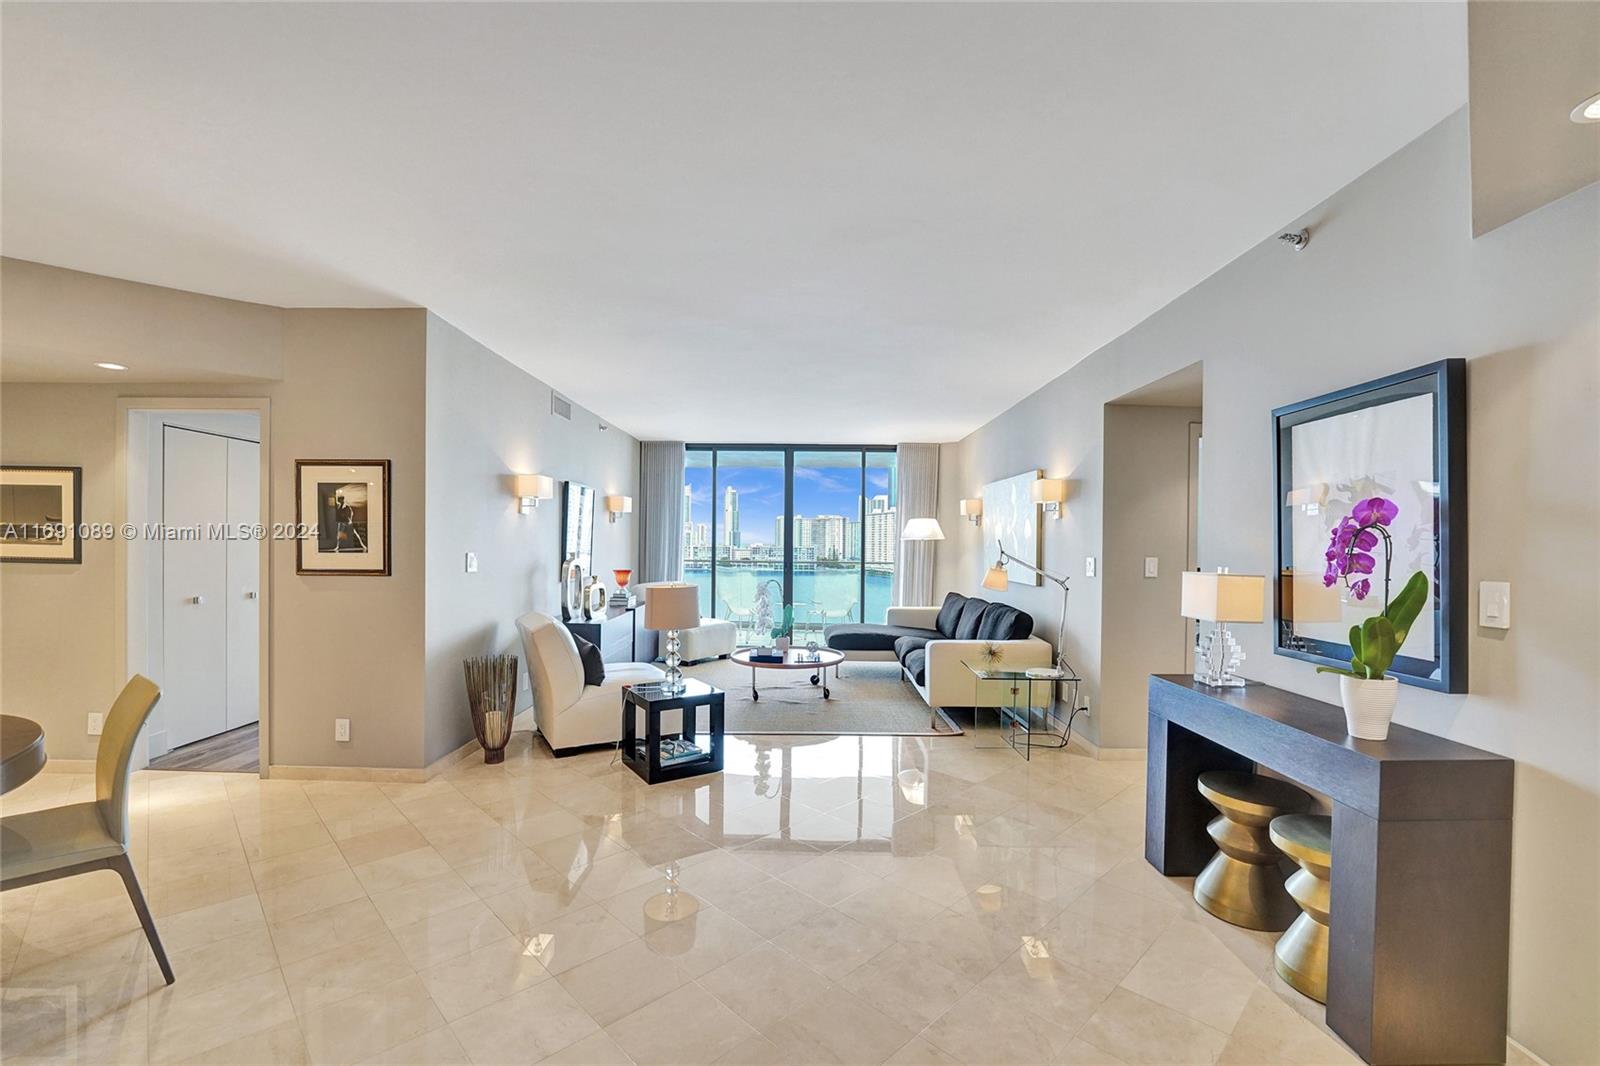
[881, 533]
[688, 517]
[730, 518]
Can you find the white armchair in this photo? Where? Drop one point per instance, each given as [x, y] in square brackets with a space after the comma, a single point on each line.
[570, 714]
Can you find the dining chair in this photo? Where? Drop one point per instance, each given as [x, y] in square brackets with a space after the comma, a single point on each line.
[80, 838]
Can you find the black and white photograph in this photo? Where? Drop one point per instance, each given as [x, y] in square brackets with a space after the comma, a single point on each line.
[343, 516]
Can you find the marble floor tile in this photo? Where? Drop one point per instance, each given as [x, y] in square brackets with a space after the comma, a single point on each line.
[507, 914]
[529, 1026]
[621, 981]
[370, 1022]
[450, 934]
[1138, 1030]
[688, 1025]
[493, 972]
[343, 972]
[765, 985]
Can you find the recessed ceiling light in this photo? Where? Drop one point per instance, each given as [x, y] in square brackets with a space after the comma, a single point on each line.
[1588, 111]
[111, 366]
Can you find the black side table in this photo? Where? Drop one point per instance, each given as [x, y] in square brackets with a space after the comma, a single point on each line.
[643, 757]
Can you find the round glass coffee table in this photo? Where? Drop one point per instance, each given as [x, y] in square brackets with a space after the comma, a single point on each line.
[818, 662]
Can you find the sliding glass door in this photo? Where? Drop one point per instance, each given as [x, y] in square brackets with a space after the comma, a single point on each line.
[784, 540]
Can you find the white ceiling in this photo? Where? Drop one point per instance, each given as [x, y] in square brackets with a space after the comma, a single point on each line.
[733, 222]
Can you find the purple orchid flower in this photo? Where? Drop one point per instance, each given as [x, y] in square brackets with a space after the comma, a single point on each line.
[1375, 511]
[1353, 542]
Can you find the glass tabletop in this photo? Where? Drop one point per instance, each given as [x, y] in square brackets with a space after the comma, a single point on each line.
[658, 690]
[1031, 673]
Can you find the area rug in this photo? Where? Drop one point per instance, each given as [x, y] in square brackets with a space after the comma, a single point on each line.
[869, 699]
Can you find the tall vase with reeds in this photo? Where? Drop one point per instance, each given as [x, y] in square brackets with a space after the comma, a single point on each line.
[491, 695]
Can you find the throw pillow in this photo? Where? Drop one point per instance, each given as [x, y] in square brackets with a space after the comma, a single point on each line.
[594, 667]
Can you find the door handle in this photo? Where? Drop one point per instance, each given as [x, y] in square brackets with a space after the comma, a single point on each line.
[249, 595]
[197, 600]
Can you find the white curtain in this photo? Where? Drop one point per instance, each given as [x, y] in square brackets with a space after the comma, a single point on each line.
[661, 510]
[917, 470]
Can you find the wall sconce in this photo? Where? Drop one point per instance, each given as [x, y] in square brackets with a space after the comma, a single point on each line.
[1052, 492]
[1309, 498]
[972, 511]
[530, 489]
[616, 505]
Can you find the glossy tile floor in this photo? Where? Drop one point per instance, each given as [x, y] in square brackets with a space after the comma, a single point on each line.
[853, 899]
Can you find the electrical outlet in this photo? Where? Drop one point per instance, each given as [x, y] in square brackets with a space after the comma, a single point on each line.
[1088, 566]
[341, 729]
[472, 562]
[97, 722]
[1151, 566]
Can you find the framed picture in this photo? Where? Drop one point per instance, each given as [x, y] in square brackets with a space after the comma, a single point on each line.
[577, 525]
[41, 509]
[1404, 438]
[342, 516]
[1012, 517]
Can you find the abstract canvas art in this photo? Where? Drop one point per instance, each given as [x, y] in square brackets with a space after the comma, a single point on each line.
[1011, 517]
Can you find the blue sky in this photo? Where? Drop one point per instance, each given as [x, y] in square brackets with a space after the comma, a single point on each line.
[819, 489]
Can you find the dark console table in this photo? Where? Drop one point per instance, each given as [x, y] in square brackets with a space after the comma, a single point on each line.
[1421, 887]
[618, 635]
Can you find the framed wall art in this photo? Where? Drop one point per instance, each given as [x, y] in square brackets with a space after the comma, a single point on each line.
[342, 509]
[1401, 439]
[41, 509]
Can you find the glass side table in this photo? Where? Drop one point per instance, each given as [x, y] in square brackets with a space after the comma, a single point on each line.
[1015, 695]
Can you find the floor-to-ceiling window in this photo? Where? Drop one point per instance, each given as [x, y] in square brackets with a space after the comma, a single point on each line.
[792, 538]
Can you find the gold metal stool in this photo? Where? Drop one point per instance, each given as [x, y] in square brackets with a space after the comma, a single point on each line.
[1243, 883]
[1301, 955]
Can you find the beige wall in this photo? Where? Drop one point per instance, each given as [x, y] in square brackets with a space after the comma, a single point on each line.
[486, 421]
[1394, 278]
[1146, 514]
[351, 387]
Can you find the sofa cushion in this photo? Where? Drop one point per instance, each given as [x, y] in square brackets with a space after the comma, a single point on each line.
[904, 646]
[594, 666]
[862, 636]
[916, 665]
[950, 614]
[971, 618]
[1001, 621]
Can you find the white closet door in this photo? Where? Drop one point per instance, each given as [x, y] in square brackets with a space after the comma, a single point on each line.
[244, 584]
[194, 586]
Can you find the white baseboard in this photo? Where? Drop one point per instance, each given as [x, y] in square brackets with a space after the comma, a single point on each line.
[1095, 751]
[1522, 1054]
[379, 774]
[68, 766]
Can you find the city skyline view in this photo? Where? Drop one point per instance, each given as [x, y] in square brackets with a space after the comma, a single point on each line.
[837, 549]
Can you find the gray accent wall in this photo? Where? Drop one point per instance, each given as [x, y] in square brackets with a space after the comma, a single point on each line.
[487, 420]
[1392, 278]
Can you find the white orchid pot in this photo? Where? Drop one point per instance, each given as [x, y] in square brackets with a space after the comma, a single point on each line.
[1368, 706]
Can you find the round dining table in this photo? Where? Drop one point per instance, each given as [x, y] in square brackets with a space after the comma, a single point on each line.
[21, 751]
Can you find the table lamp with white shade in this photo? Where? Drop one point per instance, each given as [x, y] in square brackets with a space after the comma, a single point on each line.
[1221, 597]
[670, 606]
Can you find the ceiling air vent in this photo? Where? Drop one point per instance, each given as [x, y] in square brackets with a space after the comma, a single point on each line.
[560, 406]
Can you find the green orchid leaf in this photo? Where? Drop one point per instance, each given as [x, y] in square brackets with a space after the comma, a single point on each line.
[1378, 646]
[1407, 605]
[1355, 642]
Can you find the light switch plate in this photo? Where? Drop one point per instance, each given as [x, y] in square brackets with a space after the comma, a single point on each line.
[1150, 566]
[341, 729]
[1494, 604]
[1088, 566]
[97, 722]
